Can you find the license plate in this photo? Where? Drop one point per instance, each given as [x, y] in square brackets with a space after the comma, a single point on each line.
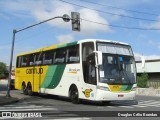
[120, 95]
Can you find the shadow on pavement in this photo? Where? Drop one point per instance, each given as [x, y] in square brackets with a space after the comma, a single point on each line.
[92, 103]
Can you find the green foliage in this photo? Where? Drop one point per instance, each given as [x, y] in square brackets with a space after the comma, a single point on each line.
[2, 69]
[142, 80]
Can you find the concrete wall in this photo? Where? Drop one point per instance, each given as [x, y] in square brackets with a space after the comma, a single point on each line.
[148, 92]
[150, 67]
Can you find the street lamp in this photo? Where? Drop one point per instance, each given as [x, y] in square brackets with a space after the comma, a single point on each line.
[65, 17]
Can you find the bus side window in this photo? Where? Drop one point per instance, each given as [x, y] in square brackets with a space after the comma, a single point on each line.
[48, 57]
[18, 63]
[72, 54]
[31, 59]
[24, 61]
[59, 56]
[38, 58]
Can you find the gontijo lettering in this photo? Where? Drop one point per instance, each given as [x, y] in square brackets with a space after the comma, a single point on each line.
[34, 71]
[73, 71]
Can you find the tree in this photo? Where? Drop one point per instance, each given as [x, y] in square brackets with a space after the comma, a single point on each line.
[2, 69]
[142, 80]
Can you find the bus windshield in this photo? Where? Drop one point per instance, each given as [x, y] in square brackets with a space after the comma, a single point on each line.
[117, 68]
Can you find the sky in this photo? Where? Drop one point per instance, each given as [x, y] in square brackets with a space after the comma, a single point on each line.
[117, 18]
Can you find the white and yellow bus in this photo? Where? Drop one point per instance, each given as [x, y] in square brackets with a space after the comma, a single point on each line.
[97, 70]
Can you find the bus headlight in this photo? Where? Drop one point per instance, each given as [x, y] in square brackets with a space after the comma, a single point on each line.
[103, 88]
[133, 89]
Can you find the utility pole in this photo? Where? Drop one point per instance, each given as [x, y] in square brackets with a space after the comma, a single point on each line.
[65, 17]
[10, 67]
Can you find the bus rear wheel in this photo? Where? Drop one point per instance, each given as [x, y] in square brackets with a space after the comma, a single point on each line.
[24, 89]
[74, 95]
[29, 89]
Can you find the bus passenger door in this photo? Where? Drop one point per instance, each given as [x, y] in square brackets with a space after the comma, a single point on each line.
[90, 75]
[89, 70]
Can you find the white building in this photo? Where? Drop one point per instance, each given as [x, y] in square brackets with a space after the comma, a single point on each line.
[152, 68]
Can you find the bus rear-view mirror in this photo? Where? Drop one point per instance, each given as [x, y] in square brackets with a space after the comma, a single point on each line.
[99, 57]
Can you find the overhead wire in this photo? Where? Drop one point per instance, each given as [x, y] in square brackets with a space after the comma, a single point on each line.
[117, 26]
[121, 15]
[95, 22]
[105, 5]
[104, 24]
[111, 25]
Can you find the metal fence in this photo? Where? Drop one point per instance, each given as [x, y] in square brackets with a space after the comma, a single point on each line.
[154, 83]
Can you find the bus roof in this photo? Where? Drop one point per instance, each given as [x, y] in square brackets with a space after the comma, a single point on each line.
[49, 48]
[102, 40]
[70, 44]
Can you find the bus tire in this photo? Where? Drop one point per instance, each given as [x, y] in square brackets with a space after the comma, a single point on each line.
[24, 89]
[74, 95]
[29, 89]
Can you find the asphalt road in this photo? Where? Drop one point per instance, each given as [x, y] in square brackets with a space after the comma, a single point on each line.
[55, 107]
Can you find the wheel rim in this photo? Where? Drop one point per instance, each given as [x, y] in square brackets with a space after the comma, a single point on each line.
[74, 94]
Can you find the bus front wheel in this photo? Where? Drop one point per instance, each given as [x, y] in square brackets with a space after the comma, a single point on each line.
[74, 95]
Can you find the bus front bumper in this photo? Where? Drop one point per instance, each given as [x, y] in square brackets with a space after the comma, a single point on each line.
[103, 95]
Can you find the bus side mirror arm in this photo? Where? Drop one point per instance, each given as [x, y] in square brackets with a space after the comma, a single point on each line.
[99, 57]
